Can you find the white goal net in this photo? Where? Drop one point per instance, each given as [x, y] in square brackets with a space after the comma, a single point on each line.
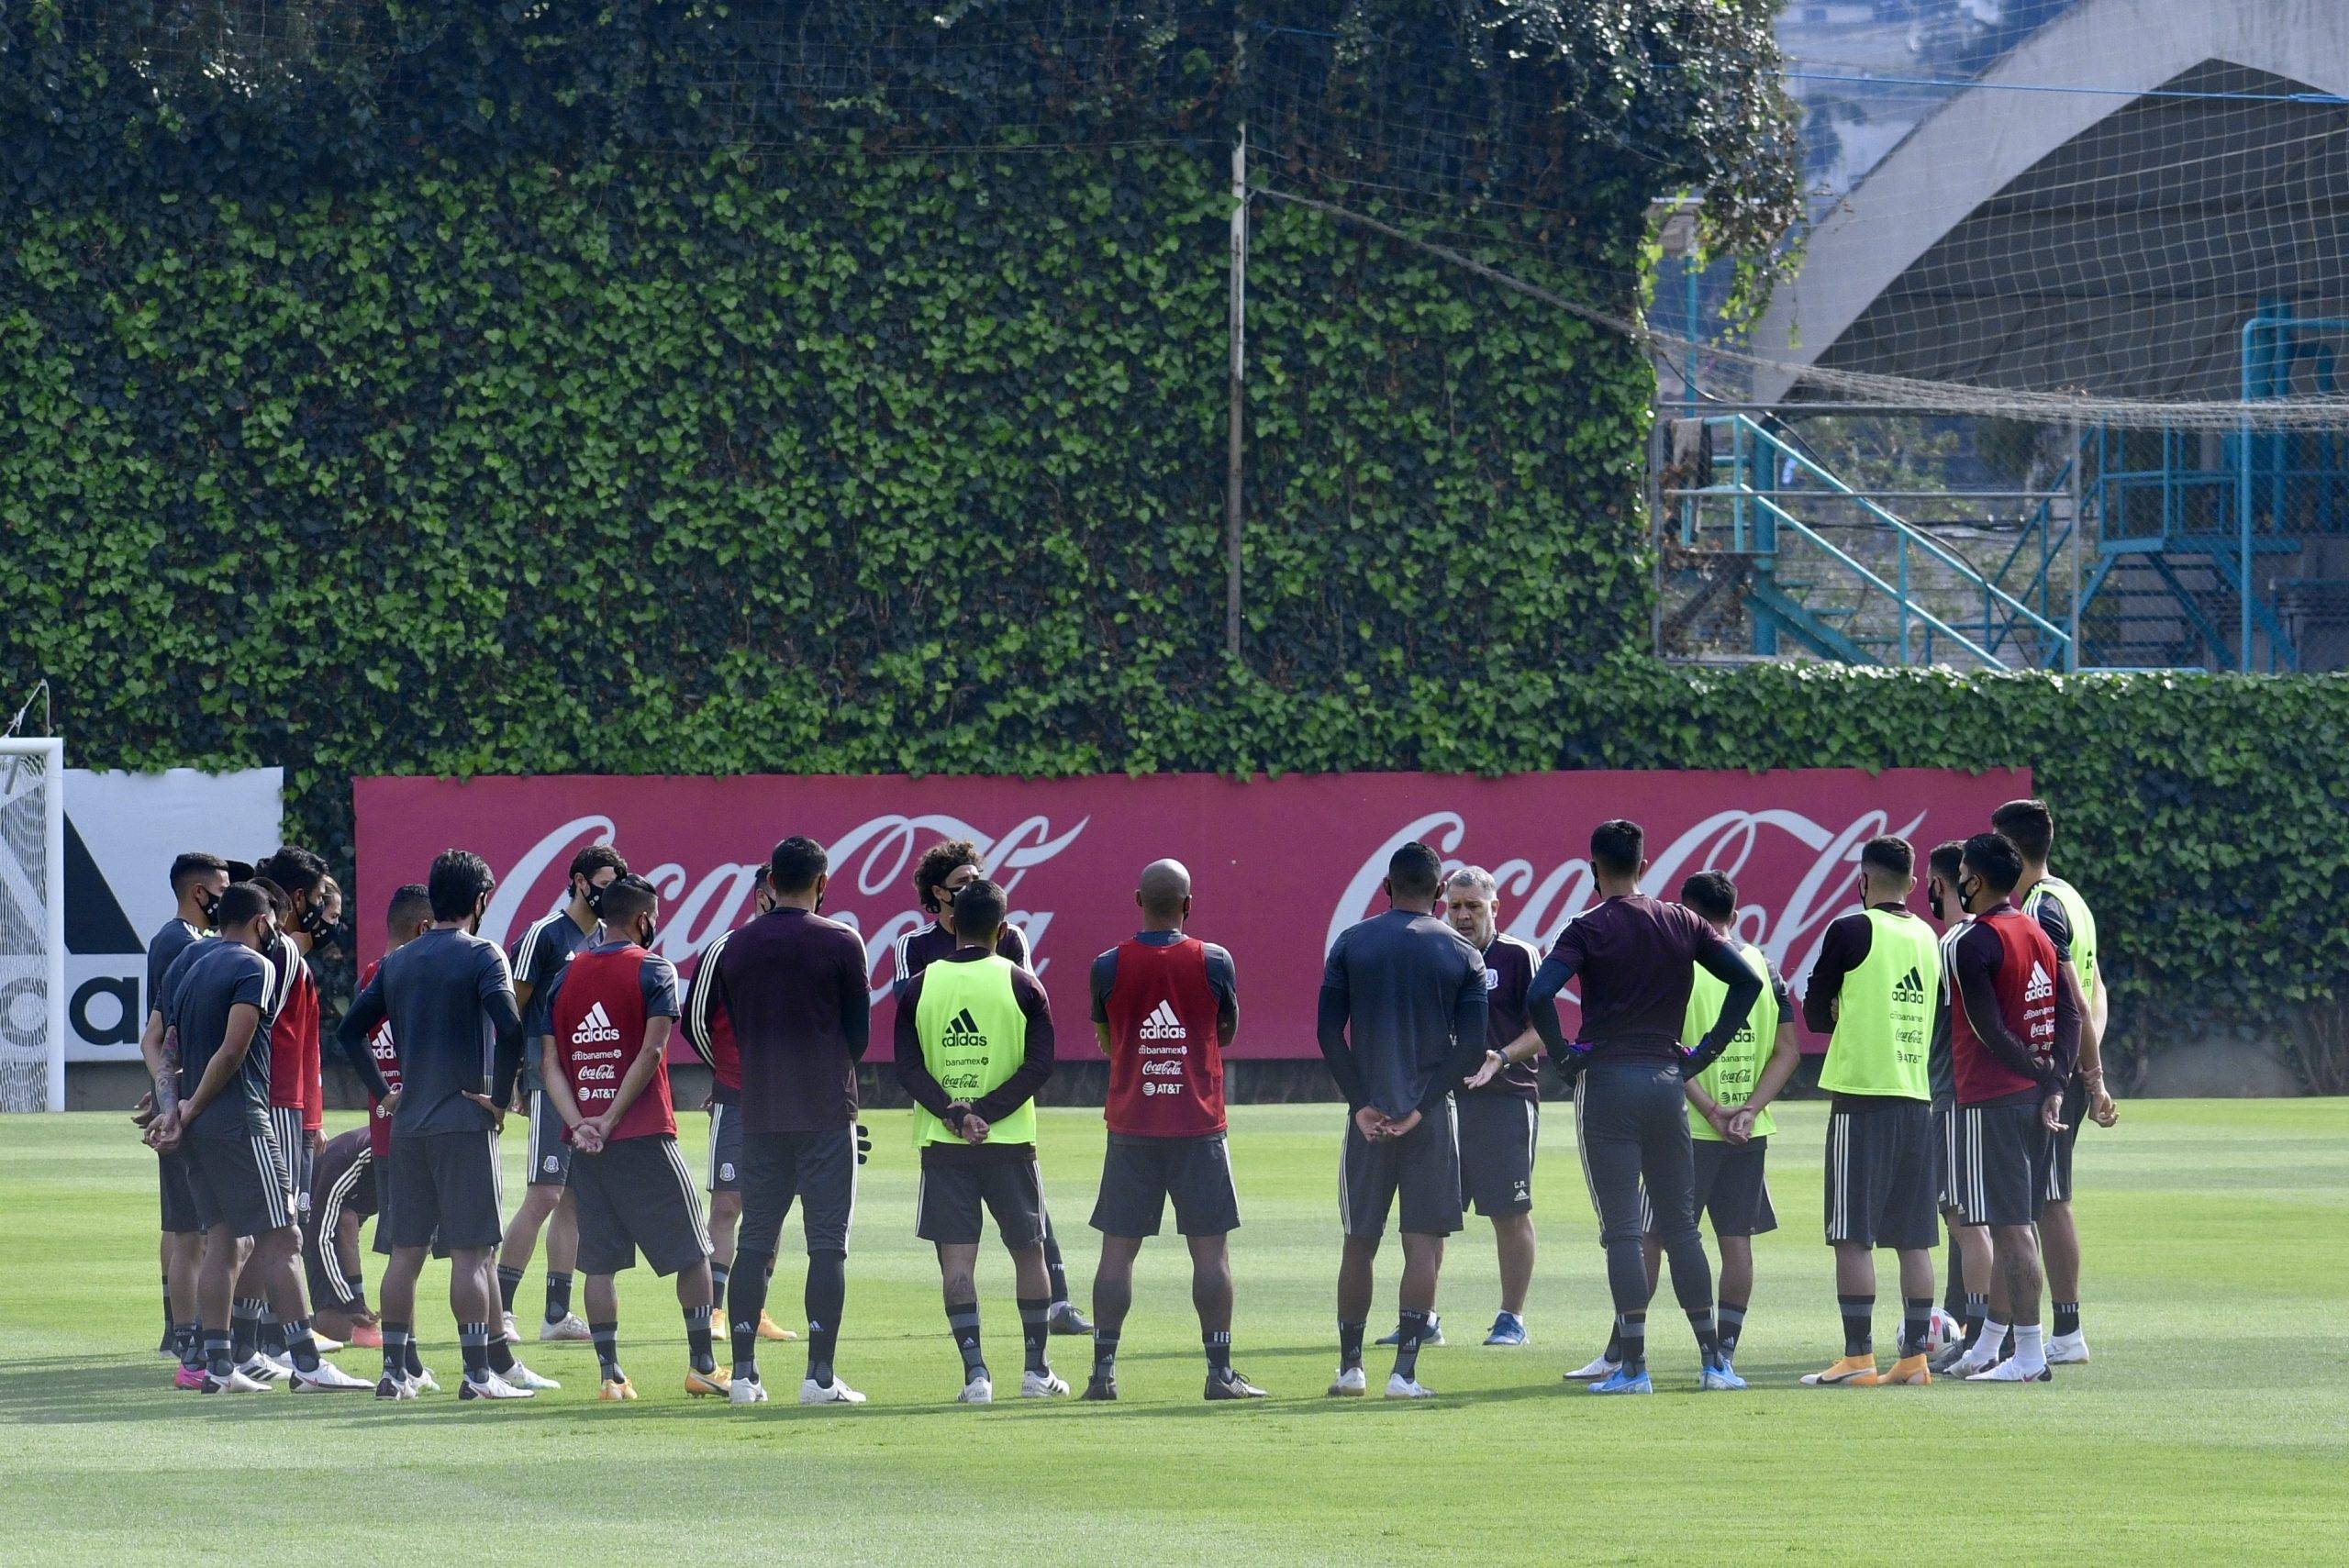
[32, 925]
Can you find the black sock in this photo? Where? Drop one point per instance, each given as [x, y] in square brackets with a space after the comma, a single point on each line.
[168, 1325]
[558, 1297]
[1614, 1352]
[473, 1344]
[1105, 1354]
[1348, 1345]
[1954, 1292]
[1632, 1340]
[396, 1349]
[1916, 1324]
[608, 1350]
[299, 1344]
[1033, 1318]
[1733, 1321]
[415, 1358]
[718, 1274]
[1859, 1324]
[1977, 1308]
[501, 1355]
[244, 1328]
[218, 1360]
[271, 1337]
[746, 1297]
[698, 1337]
[962, 1322]
[1410, 1327]
[509, 1280]
[1219, 1347]
[825, 1297]
[2067, 1318]
[188, 1339]
[1709, 1340]
[1056, 1274]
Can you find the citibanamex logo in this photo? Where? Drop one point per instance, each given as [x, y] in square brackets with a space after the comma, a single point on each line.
[871, 888]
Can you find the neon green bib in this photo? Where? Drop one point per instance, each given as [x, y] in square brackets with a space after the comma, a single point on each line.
[973, 1037]
[1731, 1078]
[2075, 908]
[1884, 1018]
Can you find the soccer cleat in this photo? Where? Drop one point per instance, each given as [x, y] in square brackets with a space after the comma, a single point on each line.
[616, 1391]
[522, 1376]
[367, 1336]
[980, 1390]
[2012, 1371]
[1601, 1367]
[389, 1387]
[1942, 1331]
[1100, 1390]
[1949, 1358]
[424, 1383]
[261, 1369]
[326, 1346]
[1231, 1385]
[1623, 1380]
[568, 1326]
[491, 1386]
[1717, 1376]
[1435, 1336]
[745, 1391]
[1351, 1384]
[1508, 1329]
[834, 1393]
[235, 1383]
[1042, 1386]
[188, 1378]
[771, 1330]
[1065, 1319]
[1401, 1388]
[1852, 1372]
[1908, 1371]
[513, 1335]
[2068, 1350]
[701, 1385]
[329, 1379]
[1981, 1358]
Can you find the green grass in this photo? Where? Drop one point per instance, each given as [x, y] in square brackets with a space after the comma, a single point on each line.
[2214, 1423]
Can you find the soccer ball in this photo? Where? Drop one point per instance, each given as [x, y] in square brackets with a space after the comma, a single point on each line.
[1942, 1332]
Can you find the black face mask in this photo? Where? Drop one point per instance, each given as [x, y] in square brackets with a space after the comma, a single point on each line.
[1966, 895]
[651, 930]
[315, 923]
[1935, 900]
[207, 901]
[596, 898]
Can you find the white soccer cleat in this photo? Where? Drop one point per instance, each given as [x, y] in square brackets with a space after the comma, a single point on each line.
[424, 1383]
[329, 1379]
[522, 1377]
[1042, 1386]
[235, 1383]
[1599, 1368]
[492, 1387]
[746, 1391]
[1401, 1388]
[1351, 1383]
[571, 1326]
[388, 1387]
[2012, 1370]
[980, 1390]
[326, 1346]
[837, 1393]
[513, 1335]
[2068, 1350]
[258, 1368]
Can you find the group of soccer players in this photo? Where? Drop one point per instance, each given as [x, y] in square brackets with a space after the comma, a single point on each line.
[1960, 1061]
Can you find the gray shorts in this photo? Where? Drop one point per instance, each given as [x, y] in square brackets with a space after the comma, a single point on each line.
[441, 1188]
[1497, 1135]
[1139, 1175]
[637, 1196]
[549, 1155]
[1421, 1169]
[816, 1169]
[1731, 1187]
[239, 1182]
[947, 1203]
[725, 1148]
[1881, 1174]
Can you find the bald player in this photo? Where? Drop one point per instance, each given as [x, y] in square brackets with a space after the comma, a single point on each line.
[1166, 1007]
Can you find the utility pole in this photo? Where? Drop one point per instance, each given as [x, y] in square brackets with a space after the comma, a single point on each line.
[1237, 389]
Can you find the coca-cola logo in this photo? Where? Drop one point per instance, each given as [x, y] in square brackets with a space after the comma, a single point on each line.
[872, 864]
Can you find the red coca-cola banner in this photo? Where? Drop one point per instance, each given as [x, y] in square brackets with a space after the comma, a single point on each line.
[1279, 866]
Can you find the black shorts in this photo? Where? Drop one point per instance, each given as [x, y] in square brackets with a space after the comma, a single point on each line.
[1139, 1175]
[549, 1155]
[637, 1196]
[239, 1182]
[816, 1170]
[440, 1187]
[180, 1216]
[1498, 1134]
[2056, 1174]
[1945, 1153]
[285, 1126]
[1730, 1188]
[724, 1149]
[333, 1281]
[2001, 1152]
[1880, 1174]
[1422, 1167]
[946, 1205]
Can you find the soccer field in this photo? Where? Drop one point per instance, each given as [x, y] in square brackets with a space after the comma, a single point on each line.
[2214, 1423]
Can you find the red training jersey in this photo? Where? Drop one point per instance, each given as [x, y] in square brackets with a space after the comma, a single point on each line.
[2026, 984]
[602, 1001]
[387, 1062]
[293, 1045]
[1165, 1057]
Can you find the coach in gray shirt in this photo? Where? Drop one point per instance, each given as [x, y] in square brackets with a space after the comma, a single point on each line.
[1402, 1020]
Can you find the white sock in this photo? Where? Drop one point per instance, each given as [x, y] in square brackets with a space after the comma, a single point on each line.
[2030, 1355]
[1985, 1348]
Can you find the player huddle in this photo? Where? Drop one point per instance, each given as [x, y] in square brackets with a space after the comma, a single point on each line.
[1961, 1061]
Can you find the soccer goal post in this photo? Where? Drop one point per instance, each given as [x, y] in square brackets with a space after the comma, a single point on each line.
[32, 925]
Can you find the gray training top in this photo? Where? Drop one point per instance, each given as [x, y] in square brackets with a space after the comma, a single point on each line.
[443, 993]
[1402, 1014]
[203, 983]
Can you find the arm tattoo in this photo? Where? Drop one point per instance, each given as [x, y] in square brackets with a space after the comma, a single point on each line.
[167, 1076]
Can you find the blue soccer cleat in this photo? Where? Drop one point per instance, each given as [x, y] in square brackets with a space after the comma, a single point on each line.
[1508, 1329]
[1718, 1376]
[1623, 1380]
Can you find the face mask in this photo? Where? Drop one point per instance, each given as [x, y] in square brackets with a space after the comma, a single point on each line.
[1935, 900]
[315, 924]
[1966, 894]
[207, 901]
[651, 930]
[594, 898]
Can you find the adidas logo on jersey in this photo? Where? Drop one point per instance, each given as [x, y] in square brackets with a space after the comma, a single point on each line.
[1910, 987]
[964, 1033]
[1163, 1024]
[596, 1025]
[2041, 986]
